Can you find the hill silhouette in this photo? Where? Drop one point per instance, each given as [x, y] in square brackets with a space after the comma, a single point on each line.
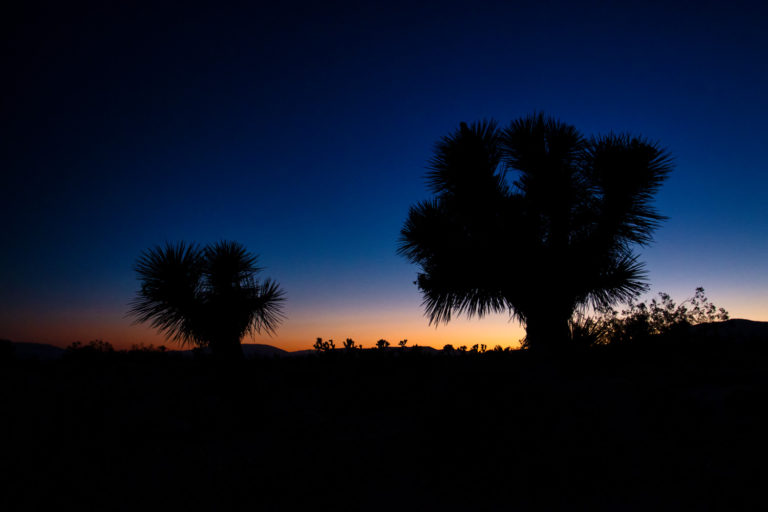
[733, 330]
[45, 351]
[29, 350]
[259, 350]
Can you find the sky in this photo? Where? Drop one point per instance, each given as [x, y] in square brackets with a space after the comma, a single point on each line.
[303, 131]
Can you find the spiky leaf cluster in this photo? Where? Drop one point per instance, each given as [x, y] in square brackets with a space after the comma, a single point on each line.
[533, 217]
[203, 295]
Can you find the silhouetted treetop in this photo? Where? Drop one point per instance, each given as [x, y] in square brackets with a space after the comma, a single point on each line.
[535, 220]
[208, 297]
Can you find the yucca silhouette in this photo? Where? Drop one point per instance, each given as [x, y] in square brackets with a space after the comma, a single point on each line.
[535, 220]
[206, 297]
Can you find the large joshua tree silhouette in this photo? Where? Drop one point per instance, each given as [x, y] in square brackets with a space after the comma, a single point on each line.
[206, 297]
[535, 220]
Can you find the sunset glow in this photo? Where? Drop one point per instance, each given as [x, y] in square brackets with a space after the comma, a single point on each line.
[306, 138]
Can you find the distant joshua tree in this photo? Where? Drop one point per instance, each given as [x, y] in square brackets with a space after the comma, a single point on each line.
[206, 297]
[535, 220]
[327, 346]
[382, 344]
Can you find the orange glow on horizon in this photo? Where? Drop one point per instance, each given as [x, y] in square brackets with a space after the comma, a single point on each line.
[299, 334]
[301, 328]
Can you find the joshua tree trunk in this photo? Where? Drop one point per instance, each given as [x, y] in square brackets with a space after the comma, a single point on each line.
[227, 348]
[547, 331]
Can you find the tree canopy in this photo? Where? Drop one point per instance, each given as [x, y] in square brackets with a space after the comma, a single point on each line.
[535, 220]
[207, 297]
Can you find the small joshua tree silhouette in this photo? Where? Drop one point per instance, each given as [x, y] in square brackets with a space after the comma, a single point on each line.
[324, 346]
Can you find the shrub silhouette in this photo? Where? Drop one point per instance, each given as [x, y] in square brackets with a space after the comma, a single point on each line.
[661, 317]
[382, 344]
[641, 321]
[586, 331]
[206, 297]
[535, 220]
[93, 346]
[93, 350]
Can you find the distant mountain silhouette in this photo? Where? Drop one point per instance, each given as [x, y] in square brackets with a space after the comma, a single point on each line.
[261, 350]
[25, 350]
[249, 350]
[735, 330]
[305, 352]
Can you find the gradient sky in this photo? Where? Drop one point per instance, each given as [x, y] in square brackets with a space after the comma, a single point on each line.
[303, 132]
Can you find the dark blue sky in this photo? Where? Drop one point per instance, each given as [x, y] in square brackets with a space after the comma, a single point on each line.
[303, 131]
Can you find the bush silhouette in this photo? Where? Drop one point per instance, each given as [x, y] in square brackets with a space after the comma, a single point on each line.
[94, 349]
[206, 297]
[661, 317]
[535, 220]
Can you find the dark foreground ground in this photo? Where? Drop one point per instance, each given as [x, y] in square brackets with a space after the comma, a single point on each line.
[601, 430]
